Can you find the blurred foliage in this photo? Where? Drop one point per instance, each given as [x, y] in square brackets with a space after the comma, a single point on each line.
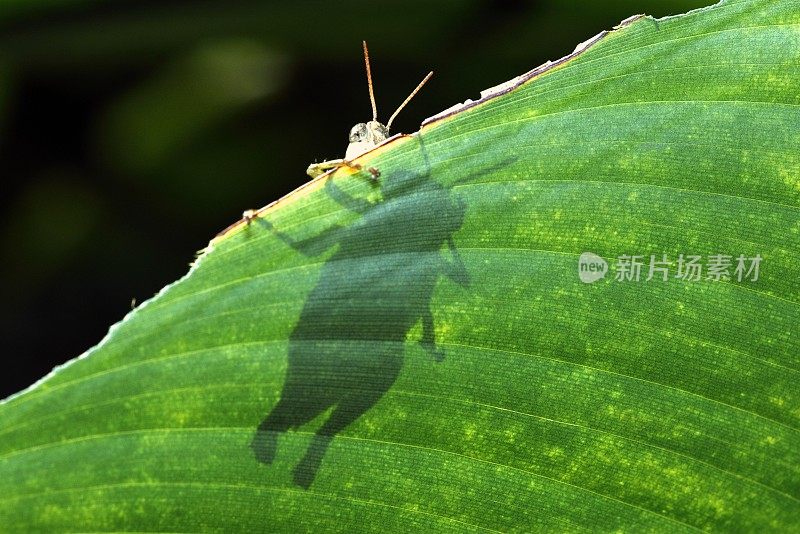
[149, 126]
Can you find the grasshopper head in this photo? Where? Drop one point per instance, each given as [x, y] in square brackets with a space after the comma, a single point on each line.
[364, 136]
[370, 132]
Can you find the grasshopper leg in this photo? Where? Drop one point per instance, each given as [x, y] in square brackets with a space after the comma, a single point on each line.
[318, 169]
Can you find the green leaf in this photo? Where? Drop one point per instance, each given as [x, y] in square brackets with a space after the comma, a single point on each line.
[420, 352]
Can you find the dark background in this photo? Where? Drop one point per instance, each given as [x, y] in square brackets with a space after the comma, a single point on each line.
[132, 132]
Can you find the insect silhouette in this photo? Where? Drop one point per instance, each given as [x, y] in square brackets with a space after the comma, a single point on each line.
[364, 136]
[348, 347]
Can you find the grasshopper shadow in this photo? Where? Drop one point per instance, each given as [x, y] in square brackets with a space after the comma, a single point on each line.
[347, 348]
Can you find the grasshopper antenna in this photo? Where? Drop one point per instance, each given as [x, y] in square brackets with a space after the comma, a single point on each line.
[369, 82]
[415, 91]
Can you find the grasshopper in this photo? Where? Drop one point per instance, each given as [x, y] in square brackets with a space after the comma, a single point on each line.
[364, 136]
